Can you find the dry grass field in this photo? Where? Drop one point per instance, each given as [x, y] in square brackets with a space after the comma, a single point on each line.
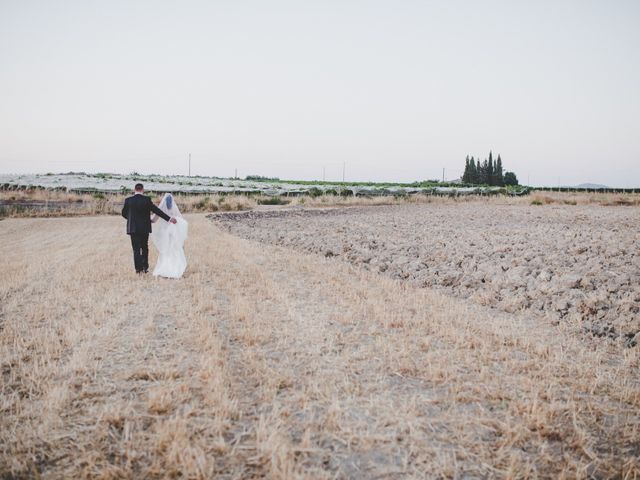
[264, 362]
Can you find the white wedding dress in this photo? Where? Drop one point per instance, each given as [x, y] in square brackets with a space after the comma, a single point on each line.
[169, 239]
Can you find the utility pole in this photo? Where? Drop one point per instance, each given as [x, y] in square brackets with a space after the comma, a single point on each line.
[236, 173]
[189, 164]
[443, 175]
[324, 171]
[344, 166]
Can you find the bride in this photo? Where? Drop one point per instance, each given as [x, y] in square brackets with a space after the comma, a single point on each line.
[169, 240]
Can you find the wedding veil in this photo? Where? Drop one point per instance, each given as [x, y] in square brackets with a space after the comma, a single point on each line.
[166, 236]
[169, 206]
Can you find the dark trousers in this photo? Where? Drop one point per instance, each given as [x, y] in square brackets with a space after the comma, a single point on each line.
[140, 244]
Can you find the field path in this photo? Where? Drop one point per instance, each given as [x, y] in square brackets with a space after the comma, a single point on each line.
[262, 362]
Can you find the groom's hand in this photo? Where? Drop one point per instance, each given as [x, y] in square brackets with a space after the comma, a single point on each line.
[173, 220]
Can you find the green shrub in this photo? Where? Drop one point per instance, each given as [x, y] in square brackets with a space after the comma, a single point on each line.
[260, 178]
[273, 201]
[314, 192]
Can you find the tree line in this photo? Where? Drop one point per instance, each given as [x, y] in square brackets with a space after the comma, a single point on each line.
[487, 172]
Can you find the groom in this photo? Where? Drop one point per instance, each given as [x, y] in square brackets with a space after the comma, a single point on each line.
[137, 210]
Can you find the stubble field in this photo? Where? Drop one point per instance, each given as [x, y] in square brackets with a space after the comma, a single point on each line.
[264, 361]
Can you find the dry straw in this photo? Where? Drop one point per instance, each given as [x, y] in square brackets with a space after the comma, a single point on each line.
[262, 362]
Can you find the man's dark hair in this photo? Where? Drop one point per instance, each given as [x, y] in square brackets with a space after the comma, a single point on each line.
[139, 187]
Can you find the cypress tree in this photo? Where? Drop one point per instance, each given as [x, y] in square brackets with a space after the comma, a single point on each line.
[473, 172]
[490, 172]
[487, 172]
[499, 175]
[484, 172]
[465, 175]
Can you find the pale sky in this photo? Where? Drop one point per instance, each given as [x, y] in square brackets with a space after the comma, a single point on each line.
[396, 89]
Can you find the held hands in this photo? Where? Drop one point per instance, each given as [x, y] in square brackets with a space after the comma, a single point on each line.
[173, 220]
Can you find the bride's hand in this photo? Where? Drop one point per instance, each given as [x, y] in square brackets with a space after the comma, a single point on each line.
[173, 220]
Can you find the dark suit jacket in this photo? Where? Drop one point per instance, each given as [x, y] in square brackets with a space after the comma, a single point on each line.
[137, 210]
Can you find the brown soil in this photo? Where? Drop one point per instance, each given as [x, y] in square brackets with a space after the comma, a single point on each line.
[578, 264]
